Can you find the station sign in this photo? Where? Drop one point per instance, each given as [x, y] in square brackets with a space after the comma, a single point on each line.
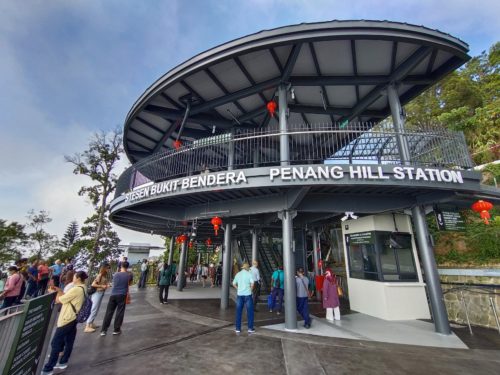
[323, 172]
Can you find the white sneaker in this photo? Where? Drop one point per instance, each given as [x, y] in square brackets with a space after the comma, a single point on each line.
[61, 366]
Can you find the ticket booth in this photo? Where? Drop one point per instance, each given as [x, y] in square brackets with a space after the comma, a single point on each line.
[383, 270]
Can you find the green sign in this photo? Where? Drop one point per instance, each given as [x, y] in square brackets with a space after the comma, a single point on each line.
[362, 238]
[28, 343]
[450, 220]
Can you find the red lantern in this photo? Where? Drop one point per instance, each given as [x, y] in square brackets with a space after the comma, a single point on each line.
[271, 107]
[216, 222]
[182, 238]
[208, 242]
[191, 244]
[482, 207]
[177, 144]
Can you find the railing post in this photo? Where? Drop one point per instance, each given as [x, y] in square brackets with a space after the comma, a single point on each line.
[283, 109]
[230, 153]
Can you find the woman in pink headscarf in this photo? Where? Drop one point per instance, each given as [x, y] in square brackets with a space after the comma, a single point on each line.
[330, 296]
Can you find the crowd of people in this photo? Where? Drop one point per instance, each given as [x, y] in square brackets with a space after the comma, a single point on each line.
[26, 280]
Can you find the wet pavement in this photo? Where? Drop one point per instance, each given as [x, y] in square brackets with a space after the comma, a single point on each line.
[193, 336]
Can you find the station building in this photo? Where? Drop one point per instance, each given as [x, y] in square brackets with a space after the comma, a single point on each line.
[281, 133]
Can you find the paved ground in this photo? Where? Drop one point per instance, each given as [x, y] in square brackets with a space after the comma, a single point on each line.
[193, 336]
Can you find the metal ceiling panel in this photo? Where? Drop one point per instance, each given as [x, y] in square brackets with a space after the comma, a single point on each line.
[230, 75]
[260, 65]
[304, 66]
[334, 57]
[204, 85]
[373, 57]
[342, 96]
[403, 51]
[441, 58]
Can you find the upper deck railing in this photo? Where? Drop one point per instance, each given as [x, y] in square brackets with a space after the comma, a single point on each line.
[353, 143]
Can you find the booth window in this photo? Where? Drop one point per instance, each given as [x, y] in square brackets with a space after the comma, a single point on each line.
[381, 256]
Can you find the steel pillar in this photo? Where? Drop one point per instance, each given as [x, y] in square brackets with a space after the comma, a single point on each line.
[254, 245]
[230, 154]
[399, 125]
[441, 323]
[283, 109]
[199, 258]
[316, 258]
[182, 266]
[171, 250]
[289, 270]
[226, 267]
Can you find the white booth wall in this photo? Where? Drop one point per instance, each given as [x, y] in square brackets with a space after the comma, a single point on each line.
[386, 300]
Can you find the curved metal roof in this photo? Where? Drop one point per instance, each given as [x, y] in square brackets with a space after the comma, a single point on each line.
[338, 71]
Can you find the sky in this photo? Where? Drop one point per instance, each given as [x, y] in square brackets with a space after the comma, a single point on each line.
[70, 68]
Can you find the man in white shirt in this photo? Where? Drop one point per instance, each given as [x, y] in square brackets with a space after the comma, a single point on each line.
[254, 270]
[144, 274]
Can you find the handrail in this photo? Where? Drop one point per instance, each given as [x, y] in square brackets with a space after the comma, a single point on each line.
[356, 143]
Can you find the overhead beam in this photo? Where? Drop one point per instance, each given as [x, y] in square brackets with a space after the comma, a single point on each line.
[399, 73]
[290, 63]
[340, 111]
[356, 80]
[173, 115]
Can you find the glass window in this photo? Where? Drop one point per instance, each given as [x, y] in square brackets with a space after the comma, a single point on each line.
[382, 256]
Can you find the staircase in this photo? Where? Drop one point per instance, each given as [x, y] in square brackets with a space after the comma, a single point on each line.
[269, 258]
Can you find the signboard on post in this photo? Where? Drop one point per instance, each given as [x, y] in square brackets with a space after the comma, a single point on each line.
[449, 220]
[28, 344]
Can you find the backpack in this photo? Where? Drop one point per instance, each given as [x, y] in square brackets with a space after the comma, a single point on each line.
[84, 313]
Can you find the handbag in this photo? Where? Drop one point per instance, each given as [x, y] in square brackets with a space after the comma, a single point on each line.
[309, 292]
[128, 300]
[340, 292]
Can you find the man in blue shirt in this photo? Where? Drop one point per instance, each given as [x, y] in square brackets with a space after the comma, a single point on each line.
[56, 270]
[278, 283]
[244, 282]
[117, 300]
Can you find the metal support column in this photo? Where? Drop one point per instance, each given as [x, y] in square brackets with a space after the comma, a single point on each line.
[254, 245]
[171, 250]
[283, 109]
[230, 153]
[199, 258]
[441, 323]
[226, 267]
[182, 267]
[316, 258]
[399, 125]
[289, 270]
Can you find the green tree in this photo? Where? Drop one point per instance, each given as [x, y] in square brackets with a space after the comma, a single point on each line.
[98, 163]
[12, 237]
[71, 235]
[41, 242]
[467, 100]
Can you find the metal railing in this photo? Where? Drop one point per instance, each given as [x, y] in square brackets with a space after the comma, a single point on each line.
[354, 143]
[10, 318]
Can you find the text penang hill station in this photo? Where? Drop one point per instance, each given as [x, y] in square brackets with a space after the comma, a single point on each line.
[260, 143]
[325, 174]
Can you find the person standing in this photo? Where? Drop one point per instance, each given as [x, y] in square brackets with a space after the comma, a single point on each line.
[144, 274]
[278, 283]
[101, 283]
[165, 281]
[56, 269]
[244, 283]
[43, 277]
[32, 280]
[12, 288]
[330, 296]
[218, 275]
[256, 280]
[65, 334]
[211, 273]
[302, 285]
[121, 282]
[204, 274]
